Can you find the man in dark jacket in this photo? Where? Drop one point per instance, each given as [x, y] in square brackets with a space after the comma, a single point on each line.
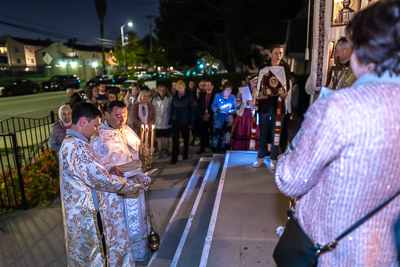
[181, 119]
[73, 97]
[204, 111]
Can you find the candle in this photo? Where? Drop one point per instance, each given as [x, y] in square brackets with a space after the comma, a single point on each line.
[147, 138]
[152, 139]
[141, 140]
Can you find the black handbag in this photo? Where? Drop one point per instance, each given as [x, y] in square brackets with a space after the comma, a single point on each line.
[296, 249]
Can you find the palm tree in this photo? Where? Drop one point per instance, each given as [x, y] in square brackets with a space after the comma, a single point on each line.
[101, 9]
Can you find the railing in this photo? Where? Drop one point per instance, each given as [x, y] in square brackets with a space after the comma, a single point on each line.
[21, 141]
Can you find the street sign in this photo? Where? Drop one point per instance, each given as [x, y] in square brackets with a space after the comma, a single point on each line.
[47, 58]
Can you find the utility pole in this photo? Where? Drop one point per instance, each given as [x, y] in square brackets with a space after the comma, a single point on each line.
[151, 26]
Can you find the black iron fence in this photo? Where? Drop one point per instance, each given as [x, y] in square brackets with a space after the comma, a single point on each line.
[22, 140]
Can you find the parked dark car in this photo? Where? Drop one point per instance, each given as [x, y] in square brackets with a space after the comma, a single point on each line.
[18, 87]
[107, 79]
[61, 82]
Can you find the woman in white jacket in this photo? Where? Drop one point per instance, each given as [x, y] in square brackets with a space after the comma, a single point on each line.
[162, 104]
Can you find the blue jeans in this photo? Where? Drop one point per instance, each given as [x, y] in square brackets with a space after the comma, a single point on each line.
[265, 127]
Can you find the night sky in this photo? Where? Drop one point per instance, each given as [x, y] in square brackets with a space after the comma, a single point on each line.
[75, 18]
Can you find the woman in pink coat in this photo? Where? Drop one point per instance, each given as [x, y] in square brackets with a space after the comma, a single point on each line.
[345, 160]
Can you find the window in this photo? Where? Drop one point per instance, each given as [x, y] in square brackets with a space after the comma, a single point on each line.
[32, 60]
[71, 54]
[18, 60]
[3, 49]
[94, 55]
[16, 49]
[30, 50]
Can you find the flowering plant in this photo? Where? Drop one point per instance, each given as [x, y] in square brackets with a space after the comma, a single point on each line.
[40, 181]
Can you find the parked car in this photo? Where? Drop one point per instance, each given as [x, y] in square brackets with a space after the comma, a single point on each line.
[175, 73]
[141, 75]
[127, 83]
[82, 92]
[18, 87]
[61, 82]
[107, 79]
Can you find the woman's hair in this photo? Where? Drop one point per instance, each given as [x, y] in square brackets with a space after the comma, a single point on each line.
[375, 36]
[89, 91]
[167, 93]
[153, 93]
[180, 82]
[226, 85]
[137, 86]
[141, 95]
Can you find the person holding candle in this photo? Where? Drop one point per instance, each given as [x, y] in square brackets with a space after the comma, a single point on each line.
[223, 108]
[143, 112]
[117, 144]
[181, 119]
[162, 104]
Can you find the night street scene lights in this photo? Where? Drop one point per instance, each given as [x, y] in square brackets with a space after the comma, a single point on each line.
[130, 24]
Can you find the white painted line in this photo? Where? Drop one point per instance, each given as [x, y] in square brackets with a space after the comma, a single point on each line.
[213, 221]
[176, 210]
[191, 217]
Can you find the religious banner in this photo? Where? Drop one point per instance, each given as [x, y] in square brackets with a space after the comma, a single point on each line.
[343, 11]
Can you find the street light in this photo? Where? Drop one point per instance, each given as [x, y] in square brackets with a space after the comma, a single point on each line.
[130, 24]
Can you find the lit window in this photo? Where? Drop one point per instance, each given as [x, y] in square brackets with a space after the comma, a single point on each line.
[3, 49]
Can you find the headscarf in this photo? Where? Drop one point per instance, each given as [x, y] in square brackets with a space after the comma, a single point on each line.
[59, 115]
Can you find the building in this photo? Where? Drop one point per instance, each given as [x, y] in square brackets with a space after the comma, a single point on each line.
[26, 57]
[18, 54]
[73, 59]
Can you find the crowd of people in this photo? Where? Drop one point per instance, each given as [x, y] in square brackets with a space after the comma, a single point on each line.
[328, 164]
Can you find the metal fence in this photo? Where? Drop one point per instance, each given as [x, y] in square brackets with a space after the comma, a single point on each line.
[22, 140]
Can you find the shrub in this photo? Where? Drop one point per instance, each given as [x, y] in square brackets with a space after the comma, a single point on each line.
[40, 180]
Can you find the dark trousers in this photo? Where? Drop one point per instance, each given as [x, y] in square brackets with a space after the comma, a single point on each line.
[266, 131]
[176, 131]
[206, 130]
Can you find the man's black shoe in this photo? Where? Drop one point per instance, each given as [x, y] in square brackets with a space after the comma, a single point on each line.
[268, 153]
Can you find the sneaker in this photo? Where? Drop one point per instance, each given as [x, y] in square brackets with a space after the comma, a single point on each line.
[272, 164]
[166, 153]
[258, 162]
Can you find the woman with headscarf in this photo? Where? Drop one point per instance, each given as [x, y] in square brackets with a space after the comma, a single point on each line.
[223, 108]
[344, 162]
[60, 127]
[241, 133]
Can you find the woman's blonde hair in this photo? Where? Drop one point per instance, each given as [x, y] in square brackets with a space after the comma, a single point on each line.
[167, 93]
[141, 95]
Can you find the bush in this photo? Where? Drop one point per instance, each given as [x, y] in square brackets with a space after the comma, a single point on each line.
[40, 179]
[235, 78]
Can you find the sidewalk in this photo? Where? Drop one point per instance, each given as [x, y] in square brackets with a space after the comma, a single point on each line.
[35, 238]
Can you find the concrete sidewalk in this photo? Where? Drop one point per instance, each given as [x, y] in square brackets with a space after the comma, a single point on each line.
[35, 238]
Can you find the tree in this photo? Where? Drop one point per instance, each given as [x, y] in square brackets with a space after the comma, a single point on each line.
[228, 30]
[101, 8]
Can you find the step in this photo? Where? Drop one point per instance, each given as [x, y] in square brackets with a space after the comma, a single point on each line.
[171, 237]
[191, 244]
[247, 210]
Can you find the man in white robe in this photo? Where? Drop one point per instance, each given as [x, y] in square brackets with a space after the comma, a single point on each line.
[94, 226]
[116, 145]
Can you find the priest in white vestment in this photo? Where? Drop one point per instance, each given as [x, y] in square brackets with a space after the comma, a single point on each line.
[94, 226]
[118, 145]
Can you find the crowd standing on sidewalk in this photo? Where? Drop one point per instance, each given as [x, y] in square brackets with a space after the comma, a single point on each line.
[324, 159]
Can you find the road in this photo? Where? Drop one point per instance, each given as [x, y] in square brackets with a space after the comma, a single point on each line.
[38, 105]
[32, 106]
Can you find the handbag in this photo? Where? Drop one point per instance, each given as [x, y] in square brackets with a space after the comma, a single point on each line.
[153, 236]
[296, 249]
